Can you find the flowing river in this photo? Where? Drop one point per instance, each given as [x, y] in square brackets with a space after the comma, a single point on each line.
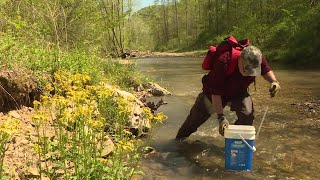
[287, 146]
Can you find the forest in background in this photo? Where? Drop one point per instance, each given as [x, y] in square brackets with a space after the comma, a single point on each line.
[286, 30]
[91, 26]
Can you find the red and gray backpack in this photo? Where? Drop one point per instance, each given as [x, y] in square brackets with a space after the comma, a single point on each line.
[228, 44]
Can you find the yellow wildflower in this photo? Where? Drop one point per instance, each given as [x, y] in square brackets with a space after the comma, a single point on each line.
[95, 123]
[9, 126]
[36, 104]
[127, 132]
[40, 117]
[160, 117]
[126, 145]
[103, 160]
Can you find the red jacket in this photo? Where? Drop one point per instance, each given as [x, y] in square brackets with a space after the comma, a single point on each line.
[229, 86]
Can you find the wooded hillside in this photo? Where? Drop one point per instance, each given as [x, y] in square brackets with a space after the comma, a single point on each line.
[284, 30]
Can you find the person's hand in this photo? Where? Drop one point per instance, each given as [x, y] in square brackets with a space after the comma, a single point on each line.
[223, 123]
[274, 88]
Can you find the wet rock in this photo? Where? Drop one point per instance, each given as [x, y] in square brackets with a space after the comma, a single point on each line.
[138, 88]
[154, 106]
[310, 107]
[148, 150]
[156, 90]
[272, 176]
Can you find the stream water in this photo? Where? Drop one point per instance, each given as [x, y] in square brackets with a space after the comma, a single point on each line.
[287, 147]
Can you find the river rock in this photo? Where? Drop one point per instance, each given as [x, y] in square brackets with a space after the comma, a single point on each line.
[138, 87]
[156, 90]
[310, 107]
[136, 123]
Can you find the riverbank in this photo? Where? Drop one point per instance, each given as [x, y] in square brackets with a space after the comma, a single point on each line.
[77, 113]
[145, 54]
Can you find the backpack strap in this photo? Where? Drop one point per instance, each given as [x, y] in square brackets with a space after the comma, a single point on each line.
[228, 44]
[236, 48]
[233, 62]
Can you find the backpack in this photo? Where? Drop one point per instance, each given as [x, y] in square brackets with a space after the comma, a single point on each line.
[228, 44]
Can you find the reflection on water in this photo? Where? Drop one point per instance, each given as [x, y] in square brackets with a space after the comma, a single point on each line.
[286, 147]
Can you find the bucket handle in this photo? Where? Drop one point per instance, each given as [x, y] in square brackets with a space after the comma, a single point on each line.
[252, 148]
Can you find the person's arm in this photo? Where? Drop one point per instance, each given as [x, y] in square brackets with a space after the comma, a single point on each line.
[275, 86]
[218, 84]
[218, 80]
[217, 103]
[270, 77]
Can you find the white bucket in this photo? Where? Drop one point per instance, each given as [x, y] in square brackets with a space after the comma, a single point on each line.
[239, 141]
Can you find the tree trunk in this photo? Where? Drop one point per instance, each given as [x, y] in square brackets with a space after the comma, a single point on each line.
[217, 16]
[119, 17]
[165, 22]
[199, 17]
[176, 18]
[187, 19]
[228, 15]
[209, 10]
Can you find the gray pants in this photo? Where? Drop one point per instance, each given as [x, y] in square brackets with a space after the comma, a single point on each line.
[203, 109]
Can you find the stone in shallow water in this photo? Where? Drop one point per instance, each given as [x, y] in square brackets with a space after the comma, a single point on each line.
[156, 90]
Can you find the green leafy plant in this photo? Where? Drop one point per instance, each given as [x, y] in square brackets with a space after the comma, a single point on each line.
[83, 117]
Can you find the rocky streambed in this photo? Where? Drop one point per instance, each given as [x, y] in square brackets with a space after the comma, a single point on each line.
[309, 107]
